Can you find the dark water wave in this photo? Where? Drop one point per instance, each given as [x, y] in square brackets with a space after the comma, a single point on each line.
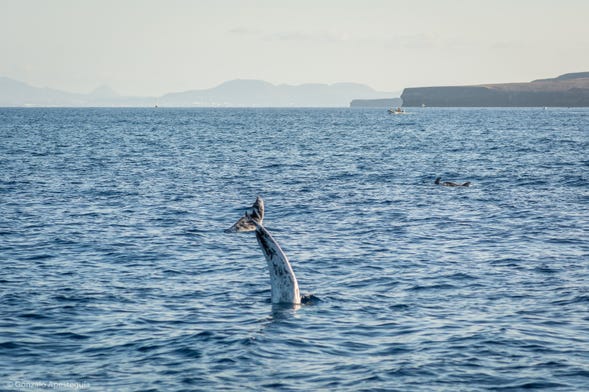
[116, 274]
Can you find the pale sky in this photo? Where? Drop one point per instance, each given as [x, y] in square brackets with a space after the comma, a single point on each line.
[154, 47]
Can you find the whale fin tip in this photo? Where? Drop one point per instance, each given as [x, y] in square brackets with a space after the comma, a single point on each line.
[250, 219]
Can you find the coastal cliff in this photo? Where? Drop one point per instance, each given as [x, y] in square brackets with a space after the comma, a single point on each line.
[568, 90]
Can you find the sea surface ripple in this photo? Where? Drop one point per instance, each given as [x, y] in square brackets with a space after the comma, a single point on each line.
[117, 276]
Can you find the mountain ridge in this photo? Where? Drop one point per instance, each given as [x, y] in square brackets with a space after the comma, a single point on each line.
[253, 92]
[232, 93]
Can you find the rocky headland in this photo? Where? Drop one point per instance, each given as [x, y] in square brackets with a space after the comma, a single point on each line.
[568, 90]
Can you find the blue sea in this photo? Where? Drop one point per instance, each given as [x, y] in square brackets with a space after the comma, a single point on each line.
[116, 274]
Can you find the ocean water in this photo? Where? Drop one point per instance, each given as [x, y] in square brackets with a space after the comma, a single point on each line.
[117, 276]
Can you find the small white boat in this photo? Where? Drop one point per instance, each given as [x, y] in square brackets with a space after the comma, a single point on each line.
[396, 111]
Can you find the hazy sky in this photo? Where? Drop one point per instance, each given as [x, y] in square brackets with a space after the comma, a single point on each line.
[152, 47]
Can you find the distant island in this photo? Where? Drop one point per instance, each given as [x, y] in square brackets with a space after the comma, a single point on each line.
[234, 93]
[376, 103]
[568, 90]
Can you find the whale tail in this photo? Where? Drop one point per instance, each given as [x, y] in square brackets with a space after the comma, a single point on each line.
[252, 218]
[283, 282]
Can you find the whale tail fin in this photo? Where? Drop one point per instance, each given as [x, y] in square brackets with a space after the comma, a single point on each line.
[251, 219]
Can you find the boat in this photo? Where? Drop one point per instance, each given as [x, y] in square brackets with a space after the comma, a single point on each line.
[396, 111]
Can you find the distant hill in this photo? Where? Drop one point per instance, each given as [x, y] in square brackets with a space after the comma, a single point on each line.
[568, 76]
[376, 103]
[235, 93]
[16, 93]
[568, 90]
[263, 94]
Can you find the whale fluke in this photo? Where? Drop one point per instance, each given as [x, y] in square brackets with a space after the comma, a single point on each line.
[285, 288]
[246, 222]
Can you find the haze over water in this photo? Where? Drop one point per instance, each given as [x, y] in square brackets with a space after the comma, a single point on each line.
[117, 274]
